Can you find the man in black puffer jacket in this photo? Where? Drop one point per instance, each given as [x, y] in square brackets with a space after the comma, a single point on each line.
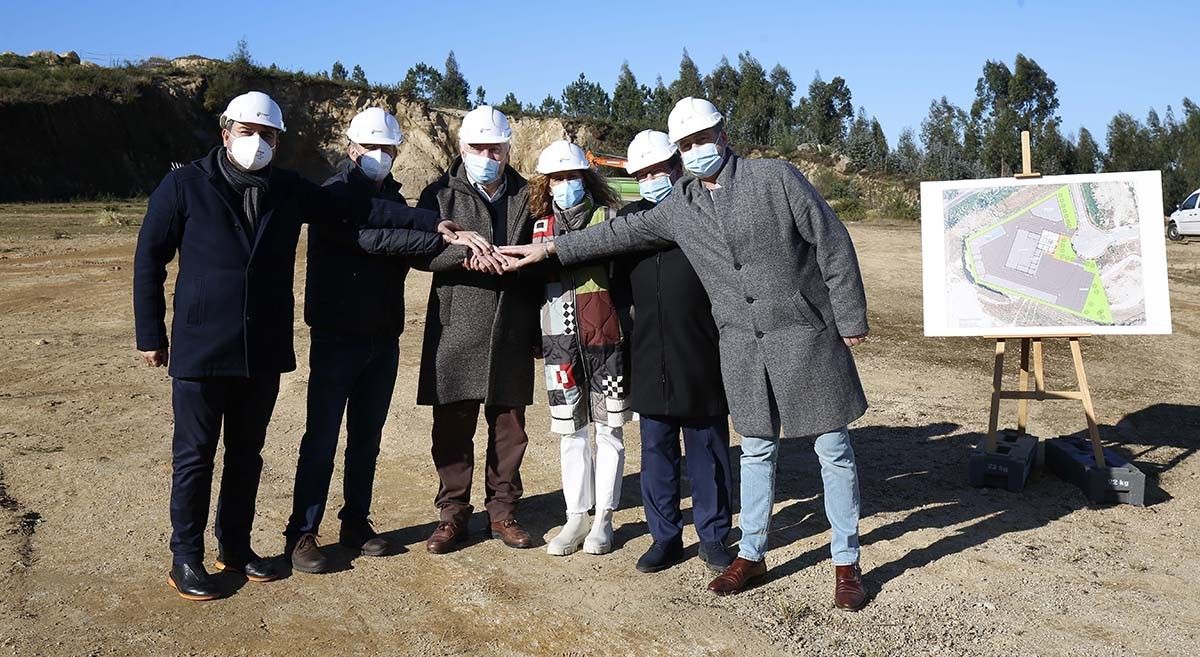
[675, 380]
[354, 303]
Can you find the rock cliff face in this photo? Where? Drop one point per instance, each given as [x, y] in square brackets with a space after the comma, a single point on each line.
[86, 146]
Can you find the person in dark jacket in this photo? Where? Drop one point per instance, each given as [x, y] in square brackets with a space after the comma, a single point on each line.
[675, 379]
[234, 221]
[354, 304]
[480, 333]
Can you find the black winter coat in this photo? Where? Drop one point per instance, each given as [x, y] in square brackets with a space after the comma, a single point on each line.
[233, 306]
[675, 364]
[349, 291]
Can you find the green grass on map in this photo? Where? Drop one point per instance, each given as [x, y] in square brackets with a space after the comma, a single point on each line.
[1064, 251]
[1067, 208]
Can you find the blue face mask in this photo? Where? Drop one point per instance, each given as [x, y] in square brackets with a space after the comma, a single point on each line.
[481, 170]
[655, 189]
[568, 194]
[703, 160]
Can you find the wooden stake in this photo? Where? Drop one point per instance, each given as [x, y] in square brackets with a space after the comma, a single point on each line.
[1026, 158]
[1023, 385]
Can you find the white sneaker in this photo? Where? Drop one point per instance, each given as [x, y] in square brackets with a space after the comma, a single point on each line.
[570, 537]
[600, 539]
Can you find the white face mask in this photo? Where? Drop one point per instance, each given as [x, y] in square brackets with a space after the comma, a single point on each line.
[251, 152]
[480, 169]
[375, 164]
[704, 160]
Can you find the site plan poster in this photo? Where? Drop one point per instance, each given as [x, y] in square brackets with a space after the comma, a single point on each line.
[1045, 256]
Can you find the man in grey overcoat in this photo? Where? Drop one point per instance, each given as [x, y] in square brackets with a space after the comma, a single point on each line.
[480, 332]
[788, 301]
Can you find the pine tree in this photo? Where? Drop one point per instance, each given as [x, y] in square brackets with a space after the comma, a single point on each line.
[943, 133]
[358, 76]
[879, 147]
[659, 106]
[721, 87]
[585, 99]
[688, 83]
[421, 82]
[550, 105]
[907, 157]
[859, 145]
[480, 96]
[453, 90]
[629, 98]
[750, 119]
[1087, 153]
[338, 72]
[782, 134]
[510, 105]
[825, 114]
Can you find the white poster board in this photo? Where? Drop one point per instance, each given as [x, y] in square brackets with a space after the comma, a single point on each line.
[1045, 256]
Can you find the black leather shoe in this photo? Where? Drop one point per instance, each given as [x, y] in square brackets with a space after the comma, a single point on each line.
[359, 535]
[715, 555]
[254, 567]
[192, 582]
[661, 555]
[306, 556]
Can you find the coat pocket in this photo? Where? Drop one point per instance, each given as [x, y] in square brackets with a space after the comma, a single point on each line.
[807, 312]
[194, 314]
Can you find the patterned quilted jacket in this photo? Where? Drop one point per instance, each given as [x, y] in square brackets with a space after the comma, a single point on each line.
[587, 376]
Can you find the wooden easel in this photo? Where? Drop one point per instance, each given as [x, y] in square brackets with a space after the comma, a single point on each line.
[1023, 395]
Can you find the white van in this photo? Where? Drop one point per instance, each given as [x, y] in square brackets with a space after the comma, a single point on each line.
[1185, 220]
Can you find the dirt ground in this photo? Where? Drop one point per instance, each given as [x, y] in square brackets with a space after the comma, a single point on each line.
[85, 462]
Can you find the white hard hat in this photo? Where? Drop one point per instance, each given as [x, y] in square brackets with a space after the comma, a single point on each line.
[691, 115]
[485, 125]
[561, 155]
[255, 107]
[374, 125]
[649, 147]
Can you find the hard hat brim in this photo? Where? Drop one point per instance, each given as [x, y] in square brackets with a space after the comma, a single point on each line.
[675, 136]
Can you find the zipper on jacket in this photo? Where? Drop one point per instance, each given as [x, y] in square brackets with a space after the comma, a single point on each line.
[662, 338]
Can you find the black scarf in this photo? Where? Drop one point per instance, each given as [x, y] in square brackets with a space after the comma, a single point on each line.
[251, 185]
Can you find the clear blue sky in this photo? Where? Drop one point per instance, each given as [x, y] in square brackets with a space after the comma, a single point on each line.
[1105, 56]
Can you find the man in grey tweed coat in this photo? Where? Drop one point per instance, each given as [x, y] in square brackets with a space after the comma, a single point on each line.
[788, 300]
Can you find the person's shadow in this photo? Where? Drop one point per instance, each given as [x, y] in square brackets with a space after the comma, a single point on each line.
[921, 469]
[925, 468]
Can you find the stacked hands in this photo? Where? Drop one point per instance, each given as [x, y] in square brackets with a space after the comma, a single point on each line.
[484, 257]
[488, 258]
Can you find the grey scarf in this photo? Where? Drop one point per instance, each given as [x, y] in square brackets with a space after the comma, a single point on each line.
[576, 217]
[251, 185]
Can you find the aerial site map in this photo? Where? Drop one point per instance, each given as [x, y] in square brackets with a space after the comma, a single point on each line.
[1063, 254]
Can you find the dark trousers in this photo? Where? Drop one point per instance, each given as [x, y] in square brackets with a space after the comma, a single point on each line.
[349, 376]
[707, 443]
[201, 406]
[454, 457]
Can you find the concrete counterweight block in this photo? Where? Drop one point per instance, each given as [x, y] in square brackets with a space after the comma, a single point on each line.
[1070, 458]
[1008, 467]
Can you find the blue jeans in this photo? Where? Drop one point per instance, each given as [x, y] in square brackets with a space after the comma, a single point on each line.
[351, 376]
[839, 474]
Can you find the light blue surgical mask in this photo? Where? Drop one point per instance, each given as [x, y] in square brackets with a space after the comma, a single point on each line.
[655, 189]
[481, 170]
[568, 194]
[703, 160]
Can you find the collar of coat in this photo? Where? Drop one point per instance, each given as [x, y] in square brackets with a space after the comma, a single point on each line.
[575, 217]
[456, 178]
[348, 171]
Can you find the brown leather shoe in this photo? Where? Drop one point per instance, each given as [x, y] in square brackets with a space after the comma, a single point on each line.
[306, 555]
[848, 591]
[446, 537]
[740, 574]
[511, 532]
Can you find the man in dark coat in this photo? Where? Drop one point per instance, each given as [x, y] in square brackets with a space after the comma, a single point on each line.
[480, 333]
[354, 302]
[788, 300]
[675, 380]
[234, 221]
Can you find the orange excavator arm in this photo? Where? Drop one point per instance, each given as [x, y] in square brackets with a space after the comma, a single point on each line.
[606, 160]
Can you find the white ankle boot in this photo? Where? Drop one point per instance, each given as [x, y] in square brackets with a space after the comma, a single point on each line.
[570, 538]
[600, 539]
